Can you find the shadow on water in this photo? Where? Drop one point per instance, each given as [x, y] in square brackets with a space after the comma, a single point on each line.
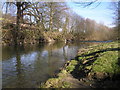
[78, 73]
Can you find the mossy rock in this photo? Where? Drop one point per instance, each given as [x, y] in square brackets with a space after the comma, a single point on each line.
[52, 83]
[66, 84]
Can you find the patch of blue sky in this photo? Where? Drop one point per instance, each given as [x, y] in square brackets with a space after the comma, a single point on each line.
[102, 13]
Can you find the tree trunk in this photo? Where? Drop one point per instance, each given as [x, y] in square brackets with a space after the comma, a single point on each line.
[51, 17]
[18, 15]
[18, 4]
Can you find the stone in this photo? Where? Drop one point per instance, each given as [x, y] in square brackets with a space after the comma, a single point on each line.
[100, 75]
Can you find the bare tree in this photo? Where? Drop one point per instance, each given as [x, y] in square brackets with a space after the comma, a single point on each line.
[21, 6]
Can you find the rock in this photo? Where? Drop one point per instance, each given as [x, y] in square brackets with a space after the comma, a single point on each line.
[97, 75]
[80, 79]
[100, 75]
[91, 85]
[90, 76]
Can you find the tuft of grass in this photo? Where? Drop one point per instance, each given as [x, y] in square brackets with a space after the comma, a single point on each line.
[72, 65]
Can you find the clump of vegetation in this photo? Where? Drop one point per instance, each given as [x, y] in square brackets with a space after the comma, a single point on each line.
[56, 83]
[71, 67]
[56, 36]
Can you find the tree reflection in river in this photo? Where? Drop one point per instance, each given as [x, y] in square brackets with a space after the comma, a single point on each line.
[20, 76]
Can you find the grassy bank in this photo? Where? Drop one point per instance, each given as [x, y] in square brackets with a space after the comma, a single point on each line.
[94, 66]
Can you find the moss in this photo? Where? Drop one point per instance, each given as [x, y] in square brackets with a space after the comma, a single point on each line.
[62, 74]
[79, 58]
[66, 85]
[52, 83]
[56, 83]
[88, 67]
[70, 68]
[73, 62]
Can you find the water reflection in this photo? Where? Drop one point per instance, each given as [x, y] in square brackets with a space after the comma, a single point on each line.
[28, 66]
[20, 76]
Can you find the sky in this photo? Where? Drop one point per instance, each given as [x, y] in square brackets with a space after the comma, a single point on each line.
[101, 14]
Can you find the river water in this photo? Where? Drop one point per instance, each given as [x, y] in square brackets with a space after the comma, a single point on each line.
[30, 65]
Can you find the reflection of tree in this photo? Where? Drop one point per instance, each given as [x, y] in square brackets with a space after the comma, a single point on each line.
[54, 46]
[20, 77]
[50, 62]
[64, 53]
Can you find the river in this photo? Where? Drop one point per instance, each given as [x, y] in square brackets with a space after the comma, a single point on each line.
[29, 65]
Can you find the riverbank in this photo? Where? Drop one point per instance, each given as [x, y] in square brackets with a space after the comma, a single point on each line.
[96, 66]
[35, 36]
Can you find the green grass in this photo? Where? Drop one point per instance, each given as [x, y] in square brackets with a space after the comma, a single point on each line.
[107, 63]
[105, 58]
